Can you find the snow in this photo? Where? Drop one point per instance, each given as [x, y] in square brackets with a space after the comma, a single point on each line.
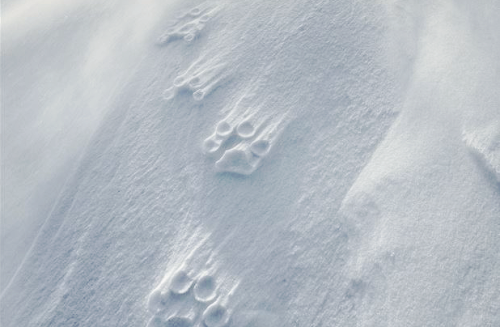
[58, 77]
[250, 163]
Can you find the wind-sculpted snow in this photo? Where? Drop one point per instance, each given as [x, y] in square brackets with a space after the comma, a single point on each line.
[277, 164]
[64, 63]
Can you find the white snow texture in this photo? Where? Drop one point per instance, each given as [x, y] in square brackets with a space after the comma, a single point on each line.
[250, 163]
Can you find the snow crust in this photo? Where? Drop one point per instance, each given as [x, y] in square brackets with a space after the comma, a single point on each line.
[250, 163]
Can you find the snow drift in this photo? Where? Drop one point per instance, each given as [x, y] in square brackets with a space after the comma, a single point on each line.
[298, 163]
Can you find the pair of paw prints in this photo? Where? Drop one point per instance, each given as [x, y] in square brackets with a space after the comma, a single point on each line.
[200, 80]
[243, 145]
[187, 302]
[189, 26]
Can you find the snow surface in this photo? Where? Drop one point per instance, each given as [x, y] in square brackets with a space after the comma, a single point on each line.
[250, 163]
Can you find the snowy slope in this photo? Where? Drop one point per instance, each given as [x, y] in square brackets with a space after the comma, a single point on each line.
[326, 163]
[62, 65]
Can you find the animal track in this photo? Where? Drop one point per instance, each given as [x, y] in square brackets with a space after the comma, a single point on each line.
[185, 299]
[238, 160]
[245, 129]
[188, 26]
[205, 289]
[204, 76]
[200, 79]
[181, 283]
[260, 147]
[216, 315]
[197, 294]
[241, 141]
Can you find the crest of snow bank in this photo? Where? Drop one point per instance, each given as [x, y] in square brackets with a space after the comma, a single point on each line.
[484, 142]
[417, 208]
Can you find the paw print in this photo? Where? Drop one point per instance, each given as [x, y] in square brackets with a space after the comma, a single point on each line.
[241, 141]
[186, 301]
[189, 26]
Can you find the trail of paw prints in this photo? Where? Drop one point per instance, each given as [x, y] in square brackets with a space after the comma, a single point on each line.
[241, 141]
[188, 299]
[189, 25]
[200, 79]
